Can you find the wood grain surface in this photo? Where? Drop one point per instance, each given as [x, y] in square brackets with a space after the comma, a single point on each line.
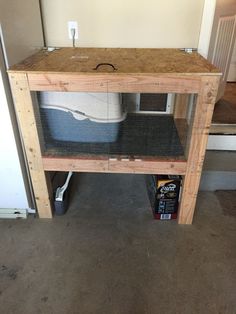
[125, 60]
[26, 119]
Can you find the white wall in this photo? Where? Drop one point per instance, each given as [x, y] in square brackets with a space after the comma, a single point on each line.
[124, 23]
[206, 27]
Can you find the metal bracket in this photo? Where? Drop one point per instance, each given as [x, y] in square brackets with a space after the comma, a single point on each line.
[189, 50]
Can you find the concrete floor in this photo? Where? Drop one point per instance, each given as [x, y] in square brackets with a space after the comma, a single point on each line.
[108, 256]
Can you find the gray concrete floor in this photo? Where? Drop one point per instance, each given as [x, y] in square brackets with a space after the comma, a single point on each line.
[108, 256]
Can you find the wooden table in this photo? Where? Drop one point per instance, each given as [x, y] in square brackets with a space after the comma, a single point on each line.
[136, 71]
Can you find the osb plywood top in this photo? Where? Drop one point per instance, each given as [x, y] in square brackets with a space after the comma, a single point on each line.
[125, 61]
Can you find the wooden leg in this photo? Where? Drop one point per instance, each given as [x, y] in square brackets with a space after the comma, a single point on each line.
[196, 147]
[26, 119]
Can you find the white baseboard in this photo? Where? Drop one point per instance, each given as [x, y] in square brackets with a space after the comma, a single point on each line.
[15, 213]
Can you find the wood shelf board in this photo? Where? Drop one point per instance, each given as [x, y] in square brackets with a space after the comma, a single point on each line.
[223, 128]
[114, 165]
[125, 60]
[113, 82]
[224, 116]
[224, 112]
[230, 93]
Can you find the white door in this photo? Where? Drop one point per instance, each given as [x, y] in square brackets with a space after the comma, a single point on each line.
[21, 35]
[13, 192]
[223, 48]
[232, 68]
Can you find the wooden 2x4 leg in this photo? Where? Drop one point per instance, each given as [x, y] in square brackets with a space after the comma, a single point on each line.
[196, 147]
[26, 118]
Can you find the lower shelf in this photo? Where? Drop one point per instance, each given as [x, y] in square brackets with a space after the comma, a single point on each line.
[113, 165]
[146, 144]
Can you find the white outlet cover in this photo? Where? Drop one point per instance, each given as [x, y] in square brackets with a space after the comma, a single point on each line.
[73, 25]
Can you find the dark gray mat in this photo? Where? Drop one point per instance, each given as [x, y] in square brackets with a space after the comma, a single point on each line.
[140, 135]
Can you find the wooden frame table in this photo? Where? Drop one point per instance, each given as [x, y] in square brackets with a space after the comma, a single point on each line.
[133, 71]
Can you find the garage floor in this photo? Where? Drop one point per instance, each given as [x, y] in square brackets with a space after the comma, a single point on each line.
[108, 256]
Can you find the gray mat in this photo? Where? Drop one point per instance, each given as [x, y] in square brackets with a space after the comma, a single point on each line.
[140, 135]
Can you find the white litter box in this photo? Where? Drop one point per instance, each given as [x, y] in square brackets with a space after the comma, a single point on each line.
[82, 117]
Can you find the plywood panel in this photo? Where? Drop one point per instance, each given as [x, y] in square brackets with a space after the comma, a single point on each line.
[125, 61]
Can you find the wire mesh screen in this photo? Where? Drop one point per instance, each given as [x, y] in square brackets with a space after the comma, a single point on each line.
[68, 128]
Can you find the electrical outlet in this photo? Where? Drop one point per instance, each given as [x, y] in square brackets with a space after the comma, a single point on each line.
[73, 25]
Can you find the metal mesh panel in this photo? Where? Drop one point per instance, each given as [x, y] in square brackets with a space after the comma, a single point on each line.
[138, 135]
